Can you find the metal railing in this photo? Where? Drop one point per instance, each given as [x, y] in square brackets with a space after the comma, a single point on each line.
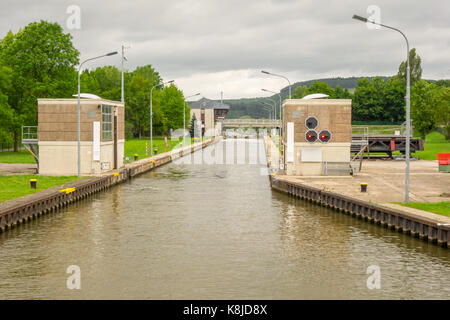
[261, 122]
[9, 146]
[29, 134]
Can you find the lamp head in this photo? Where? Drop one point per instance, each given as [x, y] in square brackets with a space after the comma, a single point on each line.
[265, 72]
[356, 17]
[111, 53]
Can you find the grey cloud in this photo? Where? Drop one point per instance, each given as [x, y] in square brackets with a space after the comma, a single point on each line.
[205, 37]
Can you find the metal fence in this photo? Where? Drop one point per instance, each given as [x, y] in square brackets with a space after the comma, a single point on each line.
[9, 146]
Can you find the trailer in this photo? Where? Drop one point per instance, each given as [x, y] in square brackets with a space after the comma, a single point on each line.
[385, 144]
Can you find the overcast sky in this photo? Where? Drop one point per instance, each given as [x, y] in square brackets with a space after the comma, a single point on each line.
[210, 46]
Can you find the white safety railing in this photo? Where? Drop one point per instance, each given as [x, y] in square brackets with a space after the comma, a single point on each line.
[251, 121]
[29, 134]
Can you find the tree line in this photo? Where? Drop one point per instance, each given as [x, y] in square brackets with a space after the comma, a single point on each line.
[167, 103]
[384, 101]
[40, 61]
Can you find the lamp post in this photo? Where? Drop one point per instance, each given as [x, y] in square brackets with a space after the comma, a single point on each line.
[184, 116]
[268, 108]
[280, 76]
[279, 96]
[407, 100]
[79, 106]
[274, 107]
[151, 112]
[122, 95]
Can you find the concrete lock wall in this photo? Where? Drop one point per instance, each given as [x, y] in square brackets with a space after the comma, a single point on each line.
[58, 136]
[307, 158]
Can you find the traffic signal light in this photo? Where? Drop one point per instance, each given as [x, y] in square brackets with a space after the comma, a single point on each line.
[311, 122]
[325, 136]
[311, 136]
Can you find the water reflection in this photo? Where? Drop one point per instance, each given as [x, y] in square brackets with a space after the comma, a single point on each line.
[198, 231]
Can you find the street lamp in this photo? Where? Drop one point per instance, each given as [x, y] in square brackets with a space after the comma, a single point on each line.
[407, 100]
[122, 99]
[279, 96]
[184, 116]
[79, 106]
[151, 112]
[272, 107]
[280, 76]
[267, 108]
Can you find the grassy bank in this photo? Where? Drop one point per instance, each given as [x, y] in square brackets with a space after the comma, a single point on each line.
[132, 146]
[15, 186]
[434, 143]
[376, 129]
[23, 156]
[442, 208]
[138, 146]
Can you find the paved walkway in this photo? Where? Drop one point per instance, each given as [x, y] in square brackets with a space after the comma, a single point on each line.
[17, 168]
[273, 154]
[386, 183]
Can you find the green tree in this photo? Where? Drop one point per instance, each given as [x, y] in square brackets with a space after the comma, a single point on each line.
[394, 101]
[103, 81]
[415, 68]
[442, 95]
[194, 130]
[423, 107]
[443, 83]
[368, 101]
[300, 92]
[42, 59]
[5, 110]
[137, 106]
[147, 72]
[340, 93]
[137, 100]
[172, 107]
[321, 87]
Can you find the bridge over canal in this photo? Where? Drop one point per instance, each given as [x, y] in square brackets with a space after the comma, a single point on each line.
[250, 123]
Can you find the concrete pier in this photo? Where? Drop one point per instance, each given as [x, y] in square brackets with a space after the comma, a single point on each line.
[377, 205]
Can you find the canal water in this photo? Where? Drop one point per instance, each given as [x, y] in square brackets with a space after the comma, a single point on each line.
[204, 231]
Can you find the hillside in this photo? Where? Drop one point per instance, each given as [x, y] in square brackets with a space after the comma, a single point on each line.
[252, 106]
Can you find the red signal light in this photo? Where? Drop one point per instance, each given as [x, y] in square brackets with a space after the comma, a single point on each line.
[325, 136]
[311, 136]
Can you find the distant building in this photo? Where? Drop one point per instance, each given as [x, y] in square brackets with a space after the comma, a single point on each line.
[209, 114]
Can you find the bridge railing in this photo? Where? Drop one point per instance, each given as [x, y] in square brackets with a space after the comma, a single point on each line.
[251, 121]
